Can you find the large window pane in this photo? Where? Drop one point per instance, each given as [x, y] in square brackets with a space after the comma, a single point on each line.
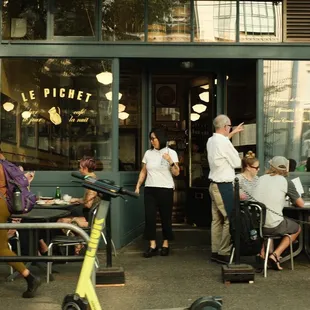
[169, 21]
[261, 21]
[122, 20]
[75, 18]
[61, 110]
[215, 21]
[287, 109]
[130, 122]
[24, 19]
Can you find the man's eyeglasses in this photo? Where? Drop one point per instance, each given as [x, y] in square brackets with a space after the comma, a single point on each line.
[256, 168]
[229, 126]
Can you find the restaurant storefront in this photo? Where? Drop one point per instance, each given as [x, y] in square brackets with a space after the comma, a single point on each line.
[91, 77]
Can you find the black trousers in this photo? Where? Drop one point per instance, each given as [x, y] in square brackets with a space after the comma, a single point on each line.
[161, 199]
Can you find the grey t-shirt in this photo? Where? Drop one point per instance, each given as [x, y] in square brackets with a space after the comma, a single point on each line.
[246, 186]
[271, 191]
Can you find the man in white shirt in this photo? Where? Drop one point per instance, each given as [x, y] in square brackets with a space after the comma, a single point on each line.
[223, 159]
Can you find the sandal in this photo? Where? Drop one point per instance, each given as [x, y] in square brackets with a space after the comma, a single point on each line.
[275, 263]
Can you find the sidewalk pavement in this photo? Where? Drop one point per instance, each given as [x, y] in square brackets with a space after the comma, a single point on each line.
[169, 282]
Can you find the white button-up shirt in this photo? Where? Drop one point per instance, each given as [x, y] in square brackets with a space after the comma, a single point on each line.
[223, 158]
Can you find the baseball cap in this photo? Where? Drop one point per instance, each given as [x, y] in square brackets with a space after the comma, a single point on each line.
[279, 162]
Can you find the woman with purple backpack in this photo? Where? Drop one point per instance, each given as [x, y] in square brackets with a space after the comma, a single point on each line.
[33, 282]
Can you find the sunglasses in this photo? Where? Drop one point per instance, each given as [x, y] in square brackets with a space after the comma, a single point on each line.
[153, 138]
[256, 168]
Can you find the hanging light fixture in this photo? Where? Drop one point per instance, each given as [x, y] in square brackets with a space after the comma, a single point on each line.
[205, 86]
[105, 78]
[121, 108]
[109, 96]
[215, 82]
[204, 96]
[26, 114]
[8, 106]
[123, 115]
[199, 108]
[194, 117]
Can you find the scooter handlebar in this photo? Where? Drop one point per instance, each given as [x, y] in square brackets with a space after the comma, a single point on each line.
[103, 186]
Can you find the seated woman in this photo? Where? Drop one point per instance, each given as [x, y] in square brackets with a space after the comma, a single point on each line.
[248, 177]
[271, 190]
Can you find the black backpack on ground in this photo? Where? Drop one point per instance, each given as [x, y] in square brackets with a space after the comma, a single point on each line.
[250, 239]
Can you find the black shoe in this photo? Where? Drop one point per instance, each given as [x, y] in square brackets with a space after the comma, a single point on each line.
[164, 251]
[33, 284]
[150, 252]
[213, 257]
[223, 259]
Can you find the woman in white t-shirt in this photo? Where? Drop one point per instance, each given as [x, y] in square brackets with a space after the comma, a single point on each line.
[159, 165]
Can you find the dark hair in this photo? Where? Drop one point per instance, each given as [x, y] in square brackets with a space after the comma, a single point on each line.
[292, 165]
[161, 135]
[89, 163]
[248, 160]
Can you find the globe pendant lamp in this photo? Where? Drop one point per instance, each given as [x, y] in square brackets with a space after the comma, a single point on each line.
[8, 106]
[199, 108]
[194, 117]
[204, 96]
[121, 108]
[123, 115]
[26, 114]
[109, 96]
[105, 78]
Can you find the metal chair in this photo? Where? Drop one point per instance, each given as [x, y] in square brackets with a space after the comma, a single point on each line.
[260, 210]
[72, 240]
[18, 248]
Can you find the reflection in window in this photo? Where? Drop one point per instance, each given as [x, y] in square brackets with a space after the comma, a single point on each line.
[130, 122]
[24, 19]
[169, 21]
[260, 21]
[8, 119]
[215, 21]
[62, 110]
[122, 20]
[75, 18]
[287, 109]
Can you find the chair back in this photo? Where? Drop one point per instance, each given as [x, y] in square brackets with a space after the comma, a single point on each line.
[92, 212]
[258, 214]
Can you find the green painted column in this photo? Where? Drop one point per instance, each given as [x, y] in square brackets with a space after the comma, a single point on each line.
[260, 119]
[115, 122]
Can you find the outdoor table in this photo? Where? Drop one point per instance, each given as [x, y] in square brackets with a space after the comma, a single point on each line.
[303, 239]
[55, 206]
[38, 215]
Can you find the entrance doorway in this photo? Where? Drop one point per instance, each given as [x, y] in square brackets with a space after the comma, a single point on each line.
[175, 94]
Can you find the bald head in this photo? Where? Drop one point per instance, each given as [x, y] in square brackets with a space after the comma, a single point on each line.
[221, 121]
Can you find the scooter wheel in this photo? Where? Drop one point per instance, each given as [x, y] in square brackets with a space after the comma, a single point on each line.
[206, 303]
[74, 302]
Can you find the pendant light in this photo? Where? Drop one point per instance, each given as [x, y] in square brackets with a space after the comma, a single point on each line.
[26, 114]
[121, 108]
[8, 106]
[204, 96]
[194, 117]
[199, 108]
[123, 115]
[109, 96]
[105, 78]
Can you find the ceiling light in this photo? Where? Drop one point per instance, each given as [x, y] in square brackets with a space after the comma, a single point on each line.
[205, 86]
[26, 114]
[105, 78]
[121, 107]
[215, 82]
[109, 96]
[194, 117]
[204, 96]
[123, 115]
[227, 77]
[199, 107]
[8, 106]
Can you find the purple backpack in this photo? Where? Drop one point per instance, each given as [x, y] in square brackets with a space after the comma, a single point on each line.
[15, 178]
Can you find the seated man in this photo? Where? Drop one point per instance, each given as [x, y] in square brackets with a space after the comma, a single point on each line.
[271, 190]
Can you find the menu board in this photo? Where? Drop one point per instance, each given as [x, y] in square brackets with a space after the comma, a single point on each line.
[245, 137]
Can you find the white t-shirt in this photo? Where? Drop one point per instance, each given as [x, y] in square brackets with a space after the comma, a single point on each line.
[158, 169]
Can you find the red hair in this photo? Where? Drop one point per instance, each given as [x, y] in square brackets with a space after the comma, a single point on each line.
[89, 163]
